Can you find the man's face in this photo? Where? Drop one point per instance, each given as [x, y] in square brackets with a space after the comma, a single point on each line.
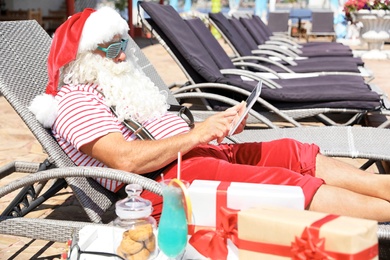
[123, 83]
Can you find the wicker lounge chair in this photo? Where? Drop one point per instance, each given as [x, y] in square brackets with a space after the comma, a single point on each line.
[23, 75]
[200, 67]
[63, 168]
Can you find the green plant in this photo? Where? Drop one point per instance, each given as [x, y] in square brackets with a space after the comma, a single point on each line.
[120, 4]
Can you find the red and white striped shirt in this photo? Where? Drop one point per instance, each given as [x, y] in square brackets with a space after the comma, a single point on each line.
[83, 117]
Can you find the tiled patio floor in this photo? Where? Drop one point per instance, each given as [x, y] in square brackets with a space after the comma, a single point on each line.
[17, 143]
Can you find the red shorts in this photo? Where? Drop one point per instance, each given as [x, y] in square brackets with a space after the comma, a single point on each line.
[284, 161]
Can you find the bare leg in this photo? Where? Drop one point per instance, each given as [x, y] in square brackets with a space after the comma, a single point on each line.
[343, 175]
[335, 200]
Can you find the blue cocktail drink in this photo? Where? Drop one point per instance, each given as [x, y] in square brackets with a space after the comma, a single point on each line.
[172, 229]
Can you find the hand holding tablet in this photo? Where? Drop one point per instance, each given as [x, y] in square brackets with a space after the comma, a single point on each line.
[249, 104]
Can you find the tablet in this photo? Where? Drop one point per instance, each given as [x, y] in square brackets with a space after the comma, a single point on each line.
[250, 101]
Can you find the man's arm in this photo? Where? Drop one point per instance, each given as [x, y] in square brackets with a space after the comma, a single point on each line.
[147, 156]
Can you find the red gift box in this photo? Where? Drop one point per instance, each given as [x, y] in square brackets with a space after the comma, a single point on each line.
[281, 233]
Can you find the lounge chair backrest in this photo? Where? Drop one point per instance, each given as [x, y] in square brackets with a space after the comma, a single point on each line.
[178, 32]
[278, 21]
[80, 5]
[255, 30]
[237, 34]
[23, 75]
[260, 23]
[321, 25]
[223, 23]
[246, 35]
[210, 43]
[322, 22]
[192, 75]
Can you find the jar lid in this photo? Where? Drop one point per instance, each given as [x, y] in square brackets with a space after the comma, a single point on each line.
[133, 206]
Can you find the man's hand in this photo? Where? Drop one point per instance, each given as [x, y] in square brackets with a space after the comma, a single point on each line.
[217, 127]
[240, 108]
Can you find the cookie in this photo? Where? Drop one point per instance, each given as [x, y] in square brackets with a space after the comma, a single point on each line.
[140, 233]
[129, 246]
[121, 253]
[150, 243]
[141, 255]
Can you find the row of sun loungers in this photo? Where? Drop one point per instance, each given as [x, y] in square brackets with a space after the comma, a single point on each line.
[203, 60]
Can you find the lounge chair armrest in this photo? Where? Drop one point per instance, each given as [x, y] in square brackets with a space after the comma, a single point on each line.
[86, 172]
[384, 97]
[239, 90]
[278, 49]
[366, 73]
[42, 229]
[211, 96]
[278, 55]
[285, 38]
[287, 41]
[239, 72]
[267, 60]
[284, 45]
[251, 75]
[258, 67]
[18, 166]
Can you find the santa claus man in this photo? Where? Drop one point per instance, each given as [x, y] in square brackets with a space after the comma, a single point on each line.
[91, 70]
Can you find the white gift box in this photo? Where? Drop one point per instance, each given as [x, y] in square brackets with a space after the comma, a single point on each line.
[240, 196]
[101, 238]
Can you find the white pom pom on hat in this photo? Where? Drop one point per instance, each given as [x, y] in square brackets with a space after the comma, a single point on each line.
[82, 32]
[45, 108]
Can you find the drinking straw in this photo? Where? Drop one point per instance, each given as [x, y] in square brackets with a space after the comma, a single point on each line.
[178, 165]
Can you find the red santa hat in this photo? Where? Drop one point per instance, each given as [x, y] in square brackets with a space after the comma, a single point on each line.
[82, 32]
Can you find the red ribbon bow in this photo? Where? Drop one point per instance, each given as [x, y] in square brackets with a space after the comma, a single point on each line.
[309, 246]
[213, 243]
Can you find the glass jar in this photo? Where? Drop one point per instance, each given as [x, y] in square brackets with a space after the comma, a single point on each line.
[135, 229]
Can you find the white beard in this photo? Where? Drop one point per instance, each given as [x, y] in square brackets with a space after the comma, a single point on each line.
[124, 86]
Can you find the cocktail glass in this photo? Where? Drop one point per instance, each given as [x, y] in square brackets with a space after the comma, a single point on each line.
[172, 228]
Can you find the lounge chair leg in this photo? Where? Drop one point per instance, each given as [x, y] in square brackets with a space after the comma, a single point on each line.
[383, 167]
[29, 197]
[367, 164]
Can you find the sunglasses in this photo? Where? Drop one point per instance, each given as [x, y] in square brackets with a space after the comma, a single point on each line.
[114, 49]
